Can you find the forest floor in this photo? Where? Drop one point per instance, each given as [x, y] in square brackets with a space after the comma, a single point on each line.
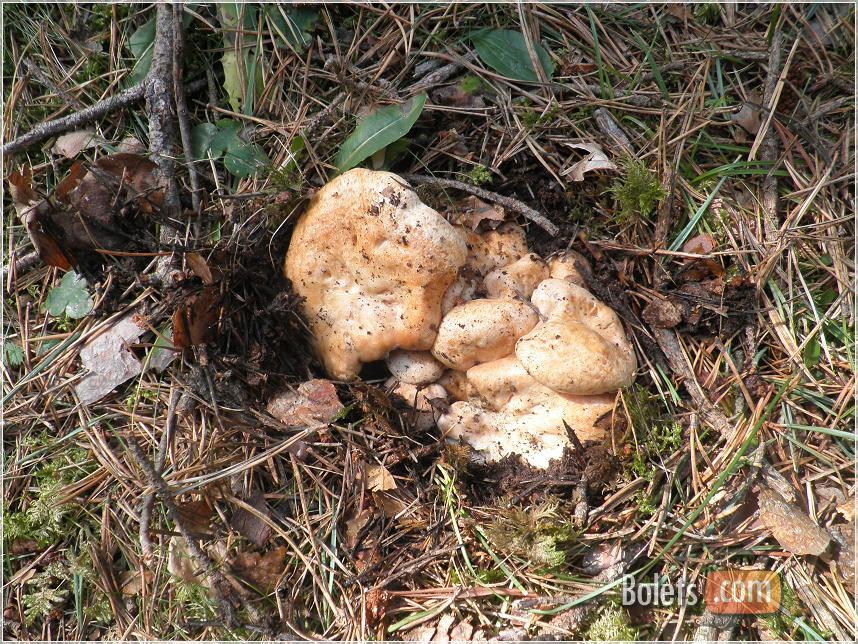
[700, 157]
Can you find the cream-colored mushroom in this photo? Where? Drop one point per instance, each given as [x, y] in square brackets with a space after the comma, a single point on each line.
[516, 279]
[372, 263]
[464, 289]
[414, 367]
[482, 330]
[563, 267]
[494, 248]
[581, 348]
[511, 413]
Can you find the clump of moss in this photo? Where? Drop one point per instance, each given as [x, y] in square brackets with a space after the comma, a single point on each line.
[538, 534]
[479, 175]
[655, 434]
[611, 625]
[638, 192]
[470, 84]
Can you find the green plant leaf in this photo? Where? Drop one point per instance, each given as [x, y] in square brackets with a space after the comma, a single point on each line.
[201, 140]
[378, 130]
[140, 43]
[244, 160]
[13, 355]
[232, 80]
[505, 51]
[70, 297]
[226, 136]
[293, 25]
[811, 353]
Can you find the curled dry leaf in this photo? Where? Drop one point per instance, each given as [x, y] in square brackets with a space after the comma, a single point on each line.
[200, 267]
[748, 117]
[479, 211]
[662, 314]
[378, 479]
[108, 361]
[250, 524]
[261, 570]
[195, 322]
[595, 160]
[794, 530]
[70, 144]
[180, 563]
[314, 401]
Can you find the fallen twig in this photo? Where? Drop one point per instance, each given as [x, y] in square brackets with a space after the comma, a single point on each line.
[182, 103]
[769, 147]
[72, 121]
[159, 91]
[507, 202]
[149, 499]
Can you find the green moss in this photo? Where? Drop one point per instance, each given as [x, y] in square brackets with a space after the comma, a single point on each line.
[656, 435]
[611, 625]
[471, 84]
[479, 175]
[638, 192]
[538, 534]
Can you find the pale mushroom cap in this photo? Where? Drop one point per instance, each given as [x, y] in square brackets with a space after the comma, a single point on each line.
[414, 367]
[581, 348]
[563, 267]
[482, 330]
[533, 429]
[517, 279]
[372, 263]
[464, 289]
[494, 248]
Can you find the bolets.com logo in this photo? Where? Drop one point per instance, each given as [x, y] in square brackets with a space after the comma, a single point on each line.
[725, 592]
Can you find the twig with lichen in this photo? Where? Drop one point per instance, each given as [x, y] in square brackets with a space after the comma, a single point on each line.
[507, 202]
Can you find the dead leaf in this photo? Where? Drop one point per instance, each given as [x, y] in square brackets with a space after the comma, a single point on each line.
[354, 525]
[457, 97]
[699, 268]
[139, 173]
[596, 160]
[196, 515]
[131, 145]
[700, 245]
[748, 117]
[179, 561]
[200, 267]
[108, 361]
[132, 582]
[261, 571]
[791, 527]
[315, 401]
[70, 145]
[377, 601]
[844, 536]
[378, 479]
[479, 211]
[249, 524]
[662, 314]
[194, 323]
[388, 504]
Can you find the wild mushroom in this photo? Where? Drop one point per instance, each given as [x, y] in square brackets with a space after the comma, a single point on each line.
[517, 279]
[482, 330]
[511, 413]
[372, 263]
[414, 367]
[581, 348]
[571, 266]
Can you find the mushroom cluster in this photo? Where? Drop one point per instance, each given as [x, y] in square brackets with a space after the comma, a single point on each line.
[516, 344]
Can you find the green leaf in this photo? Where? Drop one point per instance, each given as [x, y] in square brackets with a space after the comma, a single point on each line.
[811, 352]
[141, 43]
[70, 297]
[201, 140]
[13, 355]
[244, 160]
[293, 25]
[378, 130]
[232, 80]
[505, 51]
[226, 136]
